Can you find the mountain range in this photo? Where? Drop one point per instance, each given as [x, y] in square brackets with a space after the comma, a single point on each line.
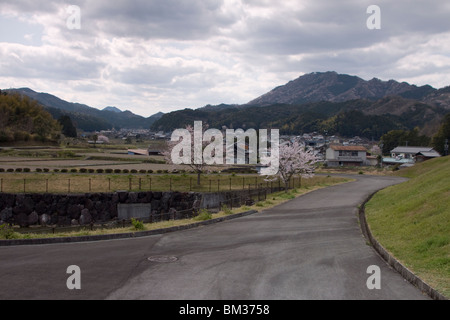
[334, 87]
[320, 101]
[328, 102]
[88, 118]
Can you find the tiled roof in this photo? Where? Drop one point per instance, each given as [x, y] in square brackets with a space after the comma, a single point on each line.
[348, 148]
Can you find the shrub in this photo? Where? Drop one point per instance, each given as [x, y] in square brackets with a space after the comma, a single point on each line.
[100, 170]
[226, 209]
[137, 225]
[91, 170]
[142, 171]
[150, 171]
[83, 170]
[117, 171]
[133, 171]
[159, 171]
[109, 170]
[39, 170]
[203, 215]
[56, 170]
[7, 233]
[18, 170]
[26, 170]
[125, 171]
[64, 171]
[9, 170]
[73, 170]
[46, 170]
[2, 170]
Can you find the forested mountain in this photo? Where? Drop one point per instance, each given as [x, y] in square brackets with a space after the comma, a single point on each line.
[365, 118]
[328, 103]
[87, 118]
[23, 119]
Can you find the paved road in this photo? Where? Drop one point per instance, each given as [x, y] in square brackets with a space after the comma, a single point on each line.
[309, 248]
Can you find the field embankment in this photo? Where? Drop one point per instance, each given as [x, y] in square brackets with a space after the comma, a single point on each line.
[412, 221]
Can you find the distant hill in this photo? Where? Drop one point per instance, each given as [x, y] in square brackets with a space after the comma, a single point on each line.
[113, 109]
[87, 118]
[334, 87]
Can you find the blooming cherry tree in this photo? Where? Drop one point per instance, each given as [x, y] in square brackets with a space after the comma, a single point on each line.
[294, 160]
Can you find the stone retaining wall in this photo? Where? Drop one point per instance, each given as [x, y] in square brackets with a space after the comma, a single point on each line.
[83, 209]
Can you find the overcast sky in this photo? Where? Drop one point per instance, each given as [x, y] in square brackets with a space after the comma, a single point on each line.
[164, 55]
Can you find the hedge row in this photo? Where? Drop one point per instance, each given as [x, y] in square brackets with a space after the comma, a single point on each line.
[109, 171]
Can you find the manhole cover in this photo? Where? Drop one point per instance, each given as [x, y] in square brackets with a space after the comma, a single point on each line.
[163, 259]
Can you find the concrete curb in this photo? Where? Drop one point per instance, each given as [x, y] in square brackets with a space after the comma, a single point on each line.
[140, 234]
[391, 261]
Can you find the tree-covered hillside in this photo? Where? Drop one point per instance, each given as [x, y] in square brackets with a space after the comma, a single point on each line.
[23, 119]
[364, 118]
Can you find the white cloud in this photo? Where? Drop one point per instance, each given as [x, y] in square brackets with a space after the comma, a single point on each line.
[150, 56]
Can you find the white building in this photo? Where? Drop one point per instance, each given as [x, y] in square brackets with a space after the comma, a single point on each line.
[346, 156]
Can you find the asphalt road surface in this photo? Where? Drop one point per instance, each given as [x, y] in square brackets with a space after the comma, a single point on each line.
[309, 248]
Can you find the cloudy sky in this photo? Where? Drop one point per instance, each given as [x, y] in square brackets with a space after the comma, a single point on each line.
[164, 55]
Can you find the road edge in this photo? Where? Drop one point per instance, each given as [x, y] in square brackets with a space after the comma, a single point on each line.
[391, 260]
[118, 236]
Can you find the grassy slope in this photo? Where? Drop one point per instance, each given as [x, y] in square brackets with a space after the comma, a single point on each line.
[412, 221]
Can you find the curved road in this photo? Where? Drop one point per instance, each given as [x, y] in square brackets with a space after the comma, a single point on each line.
[309, 248]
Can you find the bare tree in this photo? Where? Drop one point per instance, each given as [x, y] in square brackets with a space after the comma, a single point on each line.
[198, 167]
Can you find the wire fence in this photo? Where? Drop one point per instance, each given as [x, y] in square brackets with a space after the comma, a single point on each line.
[73, 184]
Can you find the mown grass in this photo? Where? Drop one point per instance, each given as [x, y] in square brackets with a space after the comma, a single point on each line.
[104, 183]
[412, 221]
[272, 200]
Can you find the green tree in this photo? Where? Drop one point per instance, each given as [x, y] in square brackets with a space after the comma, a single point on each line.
[396, 138]
[443, 134]
[68, 129]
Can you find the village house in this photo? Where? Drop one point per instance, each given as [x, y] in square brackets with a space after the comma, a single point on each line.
[346, 156]
[410, 155]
